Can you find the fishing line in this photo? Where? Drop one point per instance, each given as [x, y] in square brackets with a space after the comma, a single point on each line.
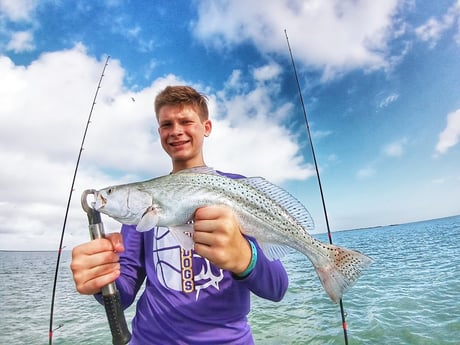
[342, 311]
[68, 206]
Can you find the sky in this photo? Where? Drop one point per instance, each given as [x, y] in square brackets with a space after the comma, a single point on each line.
[380, 82]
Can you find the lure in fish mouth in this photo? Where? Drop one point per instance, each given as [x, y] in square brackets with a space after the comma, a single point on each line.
[101, 204]
[265, 211]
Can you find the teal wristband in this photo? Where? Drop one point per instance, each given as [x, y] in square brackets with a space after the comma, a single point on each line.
[252, 263]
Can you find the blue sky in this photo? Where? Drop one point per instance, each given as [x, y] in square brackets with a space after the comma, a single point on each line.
[380, 81]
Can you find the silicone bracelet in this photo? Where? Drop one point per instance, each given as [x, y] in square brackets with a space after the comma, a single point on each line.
[252, 263]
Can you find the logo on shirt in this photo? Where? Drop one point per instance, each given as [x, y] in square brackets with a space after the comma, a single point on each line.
[188, 282]
[176, 269]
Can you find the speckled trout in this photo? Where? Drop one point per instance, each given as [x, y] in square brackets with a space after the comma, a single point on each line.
[265, 211]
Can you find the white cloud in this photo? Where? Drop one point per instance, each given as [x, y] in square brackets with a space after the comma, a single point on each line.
[43, 113]
[17, 10]
[329, 35]
[396, 148]
[267, 72]
[388, 100]
[21, 41]
[318, 134]
[252, 117]
[122, 25]
[366, 172]
[332, 158]
[430, 31]
[433, 29]
[449, 137]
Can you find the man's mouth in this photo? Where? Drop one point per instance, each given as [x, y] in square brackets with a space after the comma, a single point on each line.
[178, 143]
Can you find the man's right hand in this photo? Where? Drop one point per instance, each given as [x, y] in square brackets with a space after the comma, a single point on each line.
[96, 263]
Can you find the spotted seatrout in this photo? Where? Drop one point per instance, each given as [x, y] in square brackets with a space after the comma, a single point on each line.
[265, 211]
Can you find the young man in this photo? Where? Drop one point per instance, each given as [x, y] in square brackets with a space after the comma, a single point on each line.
[190, 297]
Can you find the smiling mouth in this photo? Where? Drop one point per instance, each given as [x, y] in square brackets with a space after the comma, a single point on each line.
[179, 143]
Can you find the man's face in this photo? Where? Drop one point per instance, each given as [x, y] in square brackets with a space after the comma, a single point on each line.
[182, 133]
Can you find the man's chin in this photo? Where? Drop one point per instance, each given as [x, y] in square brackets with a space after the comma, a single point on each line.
[179, 156]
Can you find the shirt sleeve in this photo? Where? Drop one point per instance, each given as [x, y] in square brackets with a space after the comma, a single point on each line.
[268, 279]
[132, 262]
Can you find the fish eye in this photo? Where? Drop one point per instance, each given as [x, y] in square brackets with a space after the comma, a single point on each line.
[109, 191]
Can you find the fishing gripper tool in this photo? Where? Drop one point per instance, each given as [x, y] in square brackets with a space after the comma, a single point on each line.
[110, 294]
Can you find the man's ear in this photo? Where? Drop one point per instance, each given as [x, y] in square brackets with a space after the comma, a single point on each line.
[207, 128]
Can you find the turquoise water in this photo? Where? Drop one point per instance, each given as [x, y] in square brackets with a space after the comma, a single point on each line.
[410, 295]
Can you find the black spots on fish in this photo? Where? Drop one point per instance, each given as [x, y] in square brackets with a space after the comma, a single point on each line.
[321, 245]
[347, 262]
[340, 255]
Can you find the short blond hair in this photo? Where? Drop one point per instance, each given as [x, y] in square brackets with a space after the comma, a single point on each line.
[183, 95]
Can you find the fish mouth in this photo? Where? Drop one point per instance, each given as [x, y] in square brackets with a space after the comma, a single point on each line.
[103, 201]
[99, 201]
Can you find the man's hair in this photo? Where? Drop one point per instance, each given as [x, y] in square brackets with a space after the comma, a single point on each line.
[183, 95]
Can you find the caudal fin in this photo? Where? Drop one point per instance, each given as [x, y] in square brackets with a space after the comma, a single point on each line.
[341, 271]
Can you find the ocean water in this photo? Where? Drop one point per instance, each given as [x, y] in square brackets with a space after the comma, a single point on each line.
[410, 295]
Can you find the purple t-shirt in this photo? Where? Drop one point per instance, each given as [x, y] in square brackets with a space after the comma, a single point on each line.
[188, 300]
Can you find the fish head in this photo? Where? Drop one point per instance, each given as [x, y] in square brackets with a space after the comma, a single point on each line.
[125, 203]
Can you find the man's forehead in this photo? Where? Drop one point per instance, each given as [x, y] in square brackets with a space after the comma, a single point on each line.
[168, 112]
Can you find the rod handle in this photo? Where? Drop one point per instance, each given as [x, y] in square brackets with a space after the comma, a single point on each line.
[116, 318]
[110, 294]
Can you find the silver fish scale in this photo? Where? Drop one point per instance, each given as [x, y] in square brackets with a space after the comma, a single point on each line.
[260, 214]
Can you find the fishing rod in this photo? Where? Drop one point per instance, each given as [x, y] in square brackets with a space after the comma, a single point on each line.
[342, 311]
[51, 330]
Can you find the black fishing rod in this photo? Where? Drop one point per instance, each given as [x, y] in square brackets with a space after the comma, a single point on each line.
[51, 330]
[342, 311]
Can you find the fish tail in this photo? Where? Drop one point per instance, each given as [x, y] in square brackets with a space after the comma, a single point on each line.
[341, 270]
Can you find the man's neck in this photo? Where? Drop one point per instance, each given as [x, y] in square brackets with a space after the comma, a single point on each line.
[188, 165]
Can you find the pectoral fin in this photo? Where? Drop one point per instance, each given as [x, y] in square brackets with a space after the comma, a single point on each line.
[182, 234]
[148, 221]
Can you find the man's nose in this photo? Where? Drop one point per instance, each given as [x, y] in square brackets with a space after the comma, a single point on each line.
[177, 129]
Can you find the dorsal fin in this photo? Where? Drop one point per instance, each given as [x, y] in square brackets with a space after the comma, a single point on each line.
[283, 198]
